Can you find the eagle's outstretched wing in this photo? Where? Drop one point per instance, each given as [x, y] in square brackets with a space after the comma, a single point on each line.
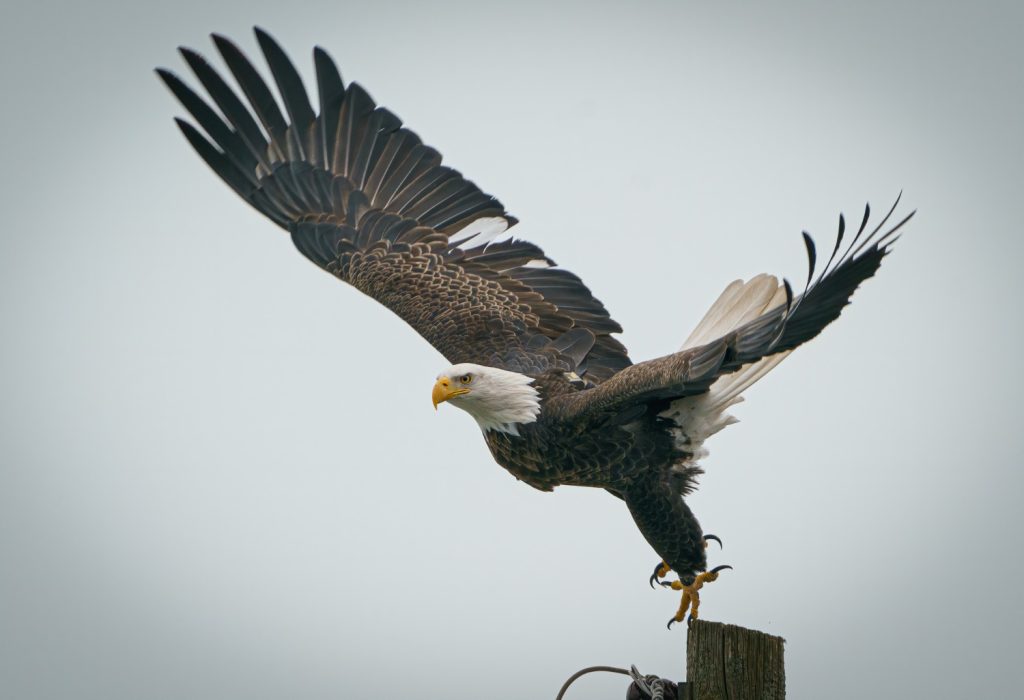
[367, 201]
[748, 343]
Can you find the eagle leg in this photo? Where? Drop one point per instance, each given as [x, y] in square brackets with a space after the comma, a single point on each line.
[691, 596]
[669, 526]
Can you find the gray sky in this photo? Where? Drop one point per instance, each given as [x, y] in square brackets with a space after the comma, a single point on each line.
[220, 475]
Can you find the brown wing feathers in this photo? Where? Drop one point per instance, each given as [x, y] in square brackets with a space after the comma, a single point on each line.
[801, 319]
[365, 199]
[783, 328]
[823, 299]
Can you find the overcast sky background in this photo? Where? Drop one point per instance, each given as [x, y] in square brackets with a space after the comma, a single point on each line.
[220, 474]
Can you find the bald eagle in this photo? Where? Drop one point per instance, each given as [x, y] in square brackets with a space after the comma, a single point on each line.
[535, 360]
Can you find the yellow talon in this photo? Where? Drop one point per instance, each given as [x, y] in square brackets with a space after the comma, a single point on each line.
[663, 570]
[691, 598]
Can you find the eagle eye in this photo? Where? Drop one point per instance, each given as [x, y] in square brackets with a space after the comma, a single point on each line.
[466, 378]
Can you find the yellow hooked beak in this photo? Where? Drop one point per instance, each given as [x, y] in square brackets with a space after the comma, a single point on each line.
[443, 390]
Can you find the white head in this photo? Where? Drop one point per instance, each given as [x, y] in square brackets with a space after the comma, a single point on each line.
[499, 400]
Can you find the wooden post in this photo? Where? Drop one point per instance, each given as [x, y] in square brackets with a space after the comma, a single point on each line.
[726, 662]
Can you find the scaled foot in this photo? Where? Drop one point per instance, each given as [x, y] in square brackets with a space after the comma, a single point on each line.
[691, 597]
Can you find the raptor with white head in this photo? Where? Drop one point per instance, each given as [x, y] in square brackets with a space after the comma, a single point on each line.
[498, 399]
[366, 200]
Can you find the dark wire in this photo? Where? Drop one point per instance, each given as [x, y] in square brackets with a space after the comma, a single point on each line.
[651, 687]
[585, 671]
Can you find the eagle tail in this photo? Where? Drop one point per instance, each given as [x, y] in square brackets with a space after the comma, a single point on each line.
[740, 303]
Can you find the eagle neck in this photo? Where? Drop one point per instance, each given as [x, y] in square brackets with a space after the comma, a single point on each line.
[511, 402]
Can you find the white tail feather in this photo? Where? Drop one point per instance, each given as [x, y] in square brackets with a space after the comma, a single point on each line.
[739, 303]
[699, 417]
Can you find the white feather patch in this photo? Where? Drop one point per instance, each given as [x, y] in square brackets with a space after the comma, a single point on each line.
[479, 232]
[538, 262]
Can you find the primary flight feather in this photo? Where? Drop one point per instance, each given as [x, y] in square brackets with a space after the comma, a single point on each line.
[534, 358]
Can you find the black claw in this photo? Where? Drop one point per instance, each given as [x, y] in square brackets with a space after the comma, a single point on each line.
[715, 538]
[654, 576]
[665, 584]
[719, 568]
[685, 620]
